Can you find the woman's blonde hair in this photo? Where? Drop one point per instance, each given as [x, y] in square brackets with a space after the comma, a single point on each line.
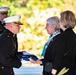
[68, 19]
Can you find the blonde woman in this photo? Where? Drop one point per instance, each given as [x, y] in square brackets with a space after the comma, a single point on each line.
[67, 55]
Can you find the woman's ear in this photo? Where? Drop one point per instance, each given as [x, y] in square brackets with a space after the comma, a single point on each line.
[54, 27]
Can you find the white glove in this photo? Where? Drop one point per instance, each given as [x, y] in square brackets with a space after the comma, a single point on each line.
[24, 62]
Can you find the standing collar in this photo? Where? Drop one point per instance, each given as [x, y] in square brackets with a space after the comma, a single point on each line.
[9, 33]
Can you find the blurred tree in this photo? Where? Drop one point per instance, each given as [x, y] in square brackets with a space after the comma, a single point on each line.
[70, 5]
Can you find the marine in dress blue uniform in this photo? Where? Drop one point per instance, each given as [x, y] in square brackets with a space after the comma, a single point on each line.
[8, 58]
[3, 14]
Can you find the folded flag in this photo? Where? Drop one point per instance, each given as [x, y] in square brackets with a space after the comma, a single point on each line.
[25, 56]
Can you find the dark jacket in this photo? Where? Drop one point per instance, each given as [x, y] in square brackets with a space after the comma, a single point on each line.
[2, 28]
[8, 51]
[56, 50]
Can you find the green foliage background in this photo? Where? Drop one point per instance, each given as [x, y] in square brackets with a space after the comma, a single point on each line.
[34, 13]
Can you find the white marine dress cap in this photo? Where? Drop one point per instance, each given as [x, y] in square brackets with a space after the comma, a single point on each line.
[4, 9]
[15, 19]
